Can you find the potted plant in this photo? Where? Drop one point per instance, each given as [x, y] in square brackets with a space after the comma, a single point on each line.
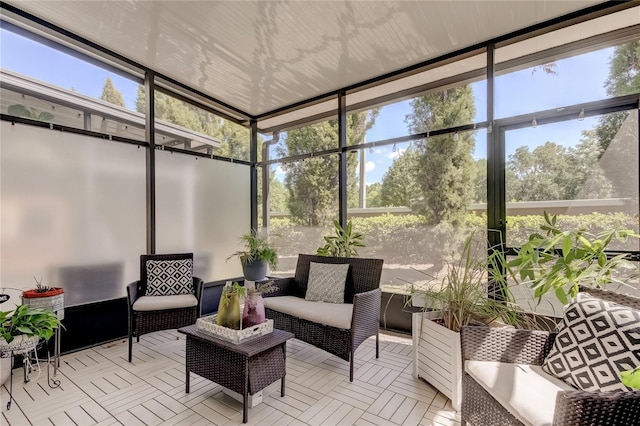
[562, 260]
[343, 244]
[20, 331]
[458, 297]
[257, 256]
[229, 314]
[44, 296]
[254, 312]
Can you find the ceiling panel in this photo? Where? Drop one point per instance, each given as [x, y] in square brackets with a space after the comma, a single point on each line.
[258, 56]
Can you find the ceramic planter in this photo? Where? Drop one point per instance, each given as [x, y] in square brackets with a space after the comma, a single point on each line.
[52, 300]
[437, 356]
[255, 271]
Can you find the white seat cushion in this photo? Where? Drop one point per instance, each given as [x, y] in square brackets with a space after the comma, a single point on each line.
[333, 314]
[525, 391]
[157, 303]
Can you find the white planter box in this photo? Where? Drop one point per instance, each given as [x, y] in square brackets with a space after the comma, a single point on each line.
[437, 356]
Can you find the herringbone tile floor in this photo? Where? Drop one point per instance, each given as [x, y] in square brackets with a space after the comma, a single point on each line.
[99, 387]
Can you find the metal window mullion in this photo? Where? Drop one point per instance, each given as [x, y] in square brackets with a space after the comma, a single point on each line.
[150, 133]
[342, 144]
[253, 158]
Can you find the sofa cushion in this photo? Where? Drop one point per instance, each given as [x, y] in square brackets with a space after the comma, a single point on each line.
[332, 314]
[156, 303]
[326, 282]
[525, 391]
[169, 277]
[596, 341]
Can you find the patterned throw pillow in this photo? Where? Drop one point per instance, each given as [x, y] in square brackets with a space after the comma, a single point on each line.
[169, 277]
[326, 282]
[596, 341]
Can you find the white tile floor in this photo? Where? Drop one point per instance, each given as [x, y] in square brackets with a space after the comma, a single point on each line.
[98, 386]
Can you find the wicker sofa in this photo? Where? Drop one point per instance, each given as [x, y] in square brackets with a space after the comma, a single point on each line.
[523, 393]
[336, 328]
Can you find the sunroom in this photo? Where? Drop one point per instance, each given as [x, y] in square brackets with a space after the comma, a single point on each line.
[144, 127]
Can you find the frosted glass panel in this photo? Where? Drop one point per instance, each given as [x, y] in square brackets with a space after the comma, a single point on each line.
[72, 212]
[202, 206]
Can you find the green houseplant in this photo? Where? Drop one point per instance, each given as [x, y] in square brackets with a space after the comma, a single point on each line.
[20, 331]
[560, 260]
[29, 322]
[343, 244]
[457, 298]
[258, 253]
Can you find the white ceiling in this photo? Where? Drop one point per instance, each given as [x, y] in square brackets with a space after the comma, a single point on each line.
[258, 56]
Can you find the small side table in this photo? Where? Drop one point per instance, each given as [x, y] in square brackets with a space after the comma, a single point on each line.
[245, 368]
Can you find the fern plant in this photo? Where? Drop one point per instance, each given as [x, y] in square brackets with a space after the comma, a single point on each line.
[256, 248]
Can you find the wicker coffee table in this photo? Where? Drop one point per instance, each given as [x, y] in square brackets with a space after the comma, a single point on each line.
[245, 368]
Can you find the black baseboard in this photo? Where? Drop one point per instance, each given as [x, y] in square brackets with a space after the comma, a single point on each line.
[93, 324]
[395, 313]
[102, 322]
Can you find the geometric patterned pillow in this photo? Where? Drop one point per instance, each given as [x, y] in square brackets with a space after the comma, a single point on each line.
[169, 277]
[326, 282]
[596, 340]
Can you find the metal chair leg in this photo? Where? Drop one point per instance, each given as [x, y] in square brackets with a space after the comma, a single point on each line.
[351, 368]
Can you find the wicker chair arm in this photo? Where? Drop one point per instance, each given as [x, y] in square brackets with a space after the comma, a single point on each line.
[366, 309]
[505, 344]
[198, 287]
[134, 291]
[284, 286]
[577, 407]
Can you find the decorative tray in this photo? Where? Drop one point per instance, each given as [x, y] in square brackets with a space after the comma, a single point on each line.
[208, 325]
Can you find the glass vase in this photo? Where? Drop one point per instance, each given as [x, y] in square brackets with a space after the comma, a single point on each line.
[253, 313]
[229, 310]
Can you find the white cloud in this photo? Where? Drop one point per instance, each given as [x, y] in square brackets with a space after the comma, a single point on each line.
[379, 150]
[279, 172]
[369, 166]
[397, 153]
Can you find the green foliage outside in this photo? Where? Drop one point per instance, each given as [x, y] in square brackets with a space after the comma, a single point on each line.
[411, 239]
[312, 184]
[234, 138]
[111, 94]
[444, 163]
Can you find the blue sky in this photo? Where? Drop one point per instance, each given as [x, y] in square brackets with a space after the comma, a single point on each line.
[578, 79]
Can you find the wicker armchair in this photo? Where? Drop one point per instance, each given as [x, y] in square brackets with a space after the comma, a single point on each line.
[362, 289]
[149, 313]
[572, 407]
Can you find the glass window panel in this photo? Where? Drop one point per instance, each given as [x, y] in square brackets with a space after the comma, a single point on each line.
[73, 212]
[584, 171]
[437, 110]
[308, 192]
[402, 185]
[305, 139]
[202, 206]
[67, 108]
[184, 125]
[582, 77]
[28, 57]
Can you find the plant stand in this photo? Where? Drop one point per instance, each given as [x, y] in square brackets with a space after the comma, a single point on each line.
[55, 304]
[20, 345]
[437, 356]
